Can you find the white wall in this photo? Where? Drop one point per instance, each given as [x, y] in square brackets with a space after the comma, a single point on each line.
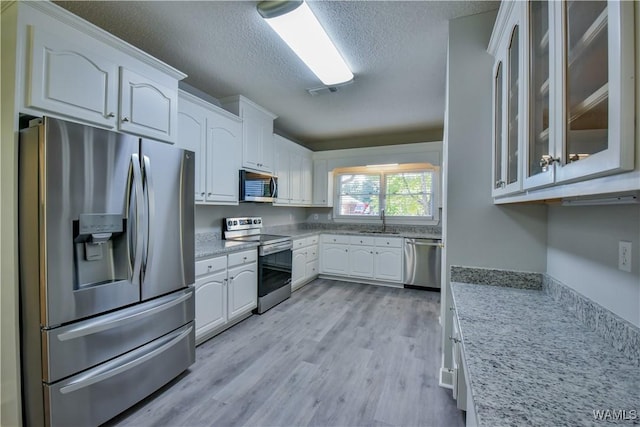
[477, 232]
[209, 218]
[583, 241]
[582, 253]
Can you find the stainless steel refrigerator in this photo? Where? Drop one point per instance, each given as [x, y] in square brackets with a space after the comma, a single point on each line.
[106, 224]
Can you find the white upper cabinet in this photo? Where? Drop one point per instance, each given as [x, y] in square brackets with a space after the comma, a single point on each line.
[538, 169]
[71, 80]
[507, 107]
[257, 133]
[224, 145]
[192, 135]
[574, 117]
[282, 165]
[71, 69]
[294, 171]
[147, 108]
[595, 96]
[215, 136]
[322, 193]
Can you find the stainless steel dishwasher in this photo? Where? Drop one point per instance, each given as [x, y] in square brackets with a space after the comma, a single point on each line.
[422, 263]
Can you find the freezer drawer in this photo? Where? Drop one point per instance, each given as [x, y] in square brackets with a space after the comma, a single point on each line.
[99, 394]
[74, 348]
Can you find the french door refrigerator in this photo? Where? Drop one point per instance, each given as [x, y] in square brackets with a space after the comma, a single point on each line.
[106, 225]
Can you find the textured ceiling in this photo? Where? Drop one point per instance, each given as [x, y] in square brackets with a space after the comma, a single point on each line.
[396, 49]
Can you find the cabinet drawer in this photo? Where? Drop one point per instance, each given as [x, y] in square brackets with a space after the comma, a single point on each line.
[334, 238]
[312, 253]
[362, 240]
[391, 242]
[245, 257]
[299, 243]
[312, 240]
[211, 265]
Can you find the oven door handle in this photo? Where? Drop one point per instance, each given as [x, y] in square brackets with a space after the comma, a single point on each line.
[271, 249]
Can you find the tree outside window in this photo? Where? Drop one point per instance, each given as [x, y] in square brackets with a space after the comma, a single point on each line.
[405, 194]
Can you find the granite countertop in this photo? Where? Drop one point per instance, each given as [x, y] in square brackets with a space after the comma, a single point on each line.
[531, 362]
[213, 247]
[211, 244]
[296, 232]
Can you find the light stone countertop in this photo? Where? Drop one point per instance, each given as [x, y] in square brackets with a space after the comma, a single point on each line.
[532, 362]
[211, 248]
[296, 232]
[210, 244]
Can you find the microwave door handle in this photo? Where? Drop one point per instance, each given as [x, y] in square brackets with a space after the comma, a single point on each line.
[137, 205]
[273, 187]
[150, 201]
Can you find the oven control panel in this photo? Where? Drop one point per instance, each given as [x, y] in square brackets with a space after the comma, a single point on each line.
[244, 223]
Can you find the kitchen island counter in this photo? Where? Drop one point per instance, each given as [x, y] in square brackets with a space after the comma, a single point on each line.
[530, 361]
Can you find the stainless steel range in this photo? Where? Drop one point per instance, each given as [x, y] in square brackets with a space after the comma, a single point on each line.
[274, 259]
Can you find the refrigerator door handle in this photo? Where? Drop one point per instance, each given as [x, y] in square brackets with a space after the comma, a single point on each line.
[121, 319]
[116, 366]
[137, 187]
[150, 202]
[274, 187]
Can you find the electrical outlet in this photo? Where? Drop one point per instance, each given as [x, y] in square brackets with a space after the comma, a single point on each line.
[624, 256]
[315, 217]
[329, 216]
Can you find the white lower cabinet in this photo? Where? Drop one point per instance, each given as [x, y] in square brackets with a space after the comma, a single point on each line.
[304, 262]
[362, 257]
[334, 255]
[211, 310]
[361, 261]
[388, 259]
[226, 291]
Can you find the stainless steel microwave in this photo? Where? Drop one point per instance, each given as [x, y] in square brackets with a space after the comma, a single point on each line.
[257, 187]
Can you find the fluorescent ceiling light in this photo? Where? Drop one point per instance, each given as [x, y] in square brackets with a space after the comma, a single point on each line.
[296, 24]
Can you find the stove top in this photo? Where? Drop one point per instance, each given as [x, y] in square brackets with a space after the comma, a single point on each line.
[249, 229]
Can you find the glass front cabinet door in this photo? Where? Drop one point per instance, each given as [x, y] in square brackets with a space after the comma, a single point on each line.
[575, 114]
[595, 92]
[508, 98]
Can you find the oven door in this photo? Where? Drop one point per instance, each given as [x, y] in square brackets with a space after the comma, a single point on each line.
[274, 272]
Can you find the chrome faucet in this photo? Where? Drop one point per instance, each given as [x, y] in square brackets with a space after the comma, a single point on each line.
[384, 220]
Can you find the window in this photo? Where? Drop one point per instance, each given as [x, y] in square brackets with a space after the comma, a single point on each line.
[405, 195]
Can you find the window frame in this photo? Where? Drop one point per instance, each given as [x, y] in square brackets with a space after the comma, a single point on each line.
[382, 172]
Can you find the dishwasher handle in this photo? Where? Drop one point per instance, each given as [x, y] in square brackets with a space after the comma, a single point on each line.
[415, 242]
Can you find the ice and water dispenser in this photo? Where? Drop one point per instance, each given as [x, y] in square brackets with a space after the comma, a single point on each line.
[101, 252]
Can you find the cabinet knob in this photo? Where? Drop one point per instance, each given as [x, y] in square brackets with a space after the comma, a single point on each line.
[346, 250]
[372, 252]
[125, 119]
[202, 194]
[210, 194]
[111, 115]
[451, 308]
[231, 278]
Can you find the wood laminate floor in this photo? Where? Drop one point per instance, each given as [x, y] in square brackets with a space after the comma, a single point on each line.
[334, 354]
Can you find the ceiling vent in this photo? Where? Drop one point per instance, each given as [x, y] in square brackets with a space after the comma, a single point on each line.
[321, 90]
